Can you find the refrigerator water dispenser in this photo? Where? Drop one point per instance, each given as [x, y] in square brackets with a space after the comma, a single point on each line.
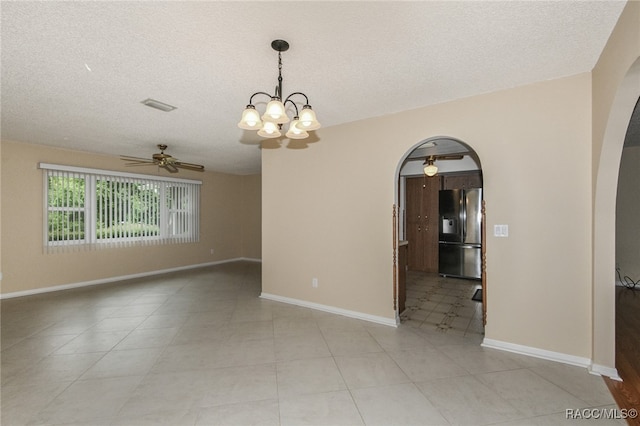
[449, 225]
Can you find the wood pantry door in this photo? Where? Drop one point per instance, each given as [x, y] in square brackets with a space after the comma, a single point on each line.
[422, 223]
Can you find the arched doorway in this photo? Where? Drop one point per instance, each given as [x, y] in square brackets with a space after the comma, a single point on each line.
[439, 237]
[604, 223]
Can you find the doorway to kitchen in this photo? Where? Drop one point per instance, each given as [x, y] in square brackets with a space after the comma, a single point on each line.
[440, 238]
[604, 229]
[627, 290]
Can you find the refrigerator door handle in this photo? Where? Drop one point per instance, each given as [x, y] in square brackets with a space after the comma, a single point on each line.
[469, 245]
[463, 214]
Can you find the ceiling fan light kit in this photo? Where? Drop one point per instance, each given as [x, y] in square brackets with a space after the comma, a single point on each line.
[430, 169]
[269, 125]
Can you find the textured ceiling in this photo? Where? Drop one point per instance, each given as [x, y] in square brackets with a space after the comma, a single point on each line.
[74, 73]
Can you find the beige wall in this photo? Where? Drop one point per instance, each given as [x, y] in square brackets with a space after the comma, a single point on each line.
[1, 216]
[616, 88]
[228, 203]
[327, 210]
[251, 215]
[627, 217]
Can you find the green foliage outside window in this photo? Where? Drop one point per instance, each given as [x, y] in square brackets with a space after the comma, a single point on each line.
[91, 206]
[124, 209]
[66, 198]
[127, 209]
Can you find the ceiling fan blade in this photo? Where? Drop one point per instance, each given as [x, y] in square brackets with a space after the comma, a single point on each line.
[449, 157]
[140, 163]
[163, 160]
[190, 166]
[170, 167]
[128, 158]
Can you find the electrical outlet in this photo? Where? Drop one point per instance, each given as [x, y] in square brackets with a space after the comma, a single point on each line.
[211, 251]
[314, 283]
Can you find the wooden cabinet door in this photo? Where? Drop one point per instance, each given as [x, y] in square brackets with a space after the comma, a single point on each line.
[422, 223]
[430, 208]
[414, 224]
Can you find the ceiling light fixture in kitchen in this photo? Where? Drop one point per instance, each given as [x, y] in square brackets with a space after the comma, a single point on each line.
[430, 169]
[270, 124]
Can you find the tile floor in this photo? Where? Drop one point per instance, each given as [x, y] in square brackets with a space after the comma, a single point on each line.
[443, 304]
[201, 348]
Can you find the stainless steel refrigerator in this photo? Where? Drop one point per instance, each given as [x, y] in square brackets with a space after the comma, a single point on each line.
[460, 240]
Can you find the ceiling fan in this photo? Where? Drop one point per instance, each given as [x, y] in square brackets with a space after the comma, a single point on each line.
[445, 157]
[431, 169]
[163, 160]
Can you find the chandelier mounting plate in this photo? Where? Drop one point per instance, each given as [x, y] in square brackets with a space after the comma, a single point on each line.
[280, 45]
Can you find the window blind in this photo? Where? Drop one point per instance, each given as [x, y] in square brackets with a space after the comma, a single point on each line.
[91, 208]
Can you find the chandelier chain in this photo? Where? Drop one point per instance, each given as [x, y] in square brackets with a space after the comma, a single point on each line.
[279, 88]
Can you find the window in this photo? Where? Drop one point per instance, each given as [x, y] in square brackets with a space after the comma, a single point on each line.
[89, 207]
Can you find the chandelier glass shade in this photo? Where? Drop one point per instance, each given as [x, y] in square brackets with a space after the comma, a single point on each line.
[269, 125]
[296, 131]
[250, 119]
[269, 130]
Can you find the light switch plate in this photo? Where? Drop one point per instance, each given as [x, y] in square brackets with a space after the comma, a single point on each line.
[500, 230]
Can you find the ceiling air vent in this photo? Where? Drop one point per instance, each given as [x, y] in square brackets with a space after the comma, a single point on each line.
[158, 105]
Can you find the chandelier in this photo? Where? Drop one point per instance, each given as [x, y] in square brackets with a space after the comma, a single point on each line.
[270, 124]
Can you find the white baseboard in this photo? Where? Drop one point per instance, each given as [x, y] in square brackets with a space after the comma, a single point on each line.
[537, 353]
[596, 369]
[120, 278]
[331, 309]
[601, 370]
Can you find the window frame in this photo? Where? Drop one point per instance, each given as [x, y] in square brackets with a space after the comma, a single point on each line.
[90, 209]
